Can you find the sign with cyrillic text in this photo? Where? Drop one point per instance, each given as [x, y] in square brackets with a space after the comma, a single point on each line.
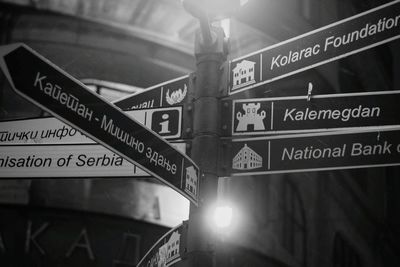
[337, 40]
[63, 160]
[52, 89]
[167, 250]
[296, 114]
[314, 152]
[170, 93]
[166, 122]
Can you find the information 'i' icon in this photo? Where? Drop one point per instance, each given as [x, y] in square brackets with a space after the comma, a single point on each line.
[165, 124]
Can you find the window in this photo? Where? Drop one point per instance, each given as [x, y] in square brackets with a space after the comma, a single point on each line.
[344, 255]
[110, 90]
[13, 106]
[353, 76]
[294, 225]
[360, 178]
[128, 254]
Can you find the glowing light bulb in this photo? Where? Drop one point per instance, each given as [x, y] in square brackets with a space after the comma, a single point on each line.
[223, 216]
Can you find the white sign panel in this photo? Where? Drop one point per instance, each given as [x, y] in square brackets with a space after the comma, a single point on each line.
[75, 160]
[167, 122]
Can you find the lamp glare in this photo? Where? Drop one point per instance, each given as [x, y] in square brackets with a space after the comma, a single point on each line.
[223, 216]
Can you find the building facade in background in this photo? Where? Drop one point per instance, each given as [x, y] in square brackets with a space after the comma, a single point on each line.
[343, 218]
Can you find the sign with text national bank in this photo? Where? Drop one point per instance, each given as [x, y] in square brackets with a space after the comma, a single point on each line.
[337, 40]
[313, 152]
[52, 89]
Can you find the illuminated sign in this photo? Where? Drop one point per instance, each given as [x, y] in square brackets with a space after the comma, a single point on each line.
[337, 40]
[313, 152]
[277, 115]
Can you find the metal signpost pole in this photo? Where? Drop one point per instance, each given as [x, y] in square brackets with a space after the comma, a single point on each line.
[210, 54]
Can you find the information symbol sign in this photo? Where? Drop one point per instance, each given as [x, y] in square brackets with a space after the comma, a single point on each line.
[165, 122]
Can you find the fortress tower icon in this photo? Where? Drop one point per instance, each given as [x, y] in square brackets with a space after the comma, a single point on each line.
[251, 117]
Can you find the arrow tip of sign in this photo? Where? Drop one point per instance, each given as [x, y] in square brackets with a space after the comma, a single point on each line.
[5, 49]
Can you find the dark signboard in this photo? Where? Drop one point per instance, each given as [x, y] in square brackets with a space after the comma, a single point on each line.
[337, 40]
[320, 113]
[47, 86]
[54, 237]
[168, 249]
[314, 152]
[170, 93]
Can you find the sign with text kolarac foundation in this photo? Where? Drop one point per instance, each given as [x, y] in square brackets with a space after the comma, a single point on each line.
[314, 152]
[47, 86]
[340, 39]
[296, 114]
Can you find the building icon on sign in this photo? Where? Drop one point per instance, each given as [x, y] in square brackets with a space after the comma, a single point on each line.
[191, 181]
[243, 74]
[173, 247]
[162, 255]
[246, 159]
[251, 117]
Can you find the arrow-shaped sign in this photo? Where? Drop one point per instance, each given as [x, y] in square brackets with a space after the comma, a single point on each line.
[313, 152]
[166, 122]
[44, 84]
[168, 249]
[166, 94]
[294, 114]
[337, 40]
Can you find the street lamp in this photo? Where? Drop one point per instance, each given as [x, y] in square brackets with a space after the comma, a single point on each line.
[207, 11]
[214, 9]
[223, 216]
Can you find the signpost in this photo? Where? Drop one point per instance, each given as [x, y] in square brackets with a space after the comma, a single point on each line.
[314, 152]
[337, 40]
[170, 93]
[168, 249]
[358, 144]
[296, 114]
[47, 86]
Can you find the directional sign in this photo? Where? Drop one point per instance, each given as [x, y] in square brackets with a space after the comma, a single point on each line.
[340, 39]
[167, 250]
[47, 86]
[66, 160]
[322, 113]
[164, 121]
[314, 152]
[170, 93]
